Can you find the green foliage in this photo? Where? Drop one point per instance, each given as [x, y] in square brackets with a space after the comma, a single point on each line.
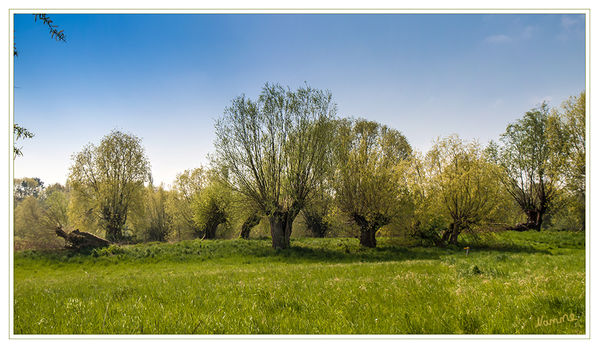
[567, 132]
[107, 180]
[39, 213]
[463, 183]
[28, 221]
[366, 181]
[186, 190]
[26, 187]
[316, 214]
[19, 133]
[316, 221]
[35, 220]
[200, 203]
[151, 221]
[531, 164]
[212, 207]
[56, 205]
[161, 288]
[276, 151]
[425, 220]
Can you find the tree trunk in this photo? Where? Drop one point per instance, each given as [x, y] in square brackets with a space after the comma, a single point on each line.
[281, 224]
[114, 226]
[248, 224]
[534, 220]
[447, 234]
[288, 227]
[368, 237]
[368, 229]
[456, 229]
[316, 224]
[450, 235]
[278, 223]
[539, 221]
[210, 231]
[212, 225]
[197, 232]
[454, 234]
[113, 233]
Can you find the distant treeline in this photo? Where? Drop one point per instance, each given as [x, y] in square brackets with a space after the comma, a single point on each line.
[286, 161]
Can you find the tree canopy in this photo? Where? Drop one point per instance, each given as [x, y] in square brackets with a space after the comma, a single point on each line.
[276, 150]
[186, 190]
[463, 183]
[286, 153]
[568, 133]
[530, 163]
[108, 178]
[367, 156]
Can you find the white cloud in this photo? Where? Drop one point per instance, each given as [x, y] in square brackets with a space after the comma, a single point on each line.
[525, 33]
[569, 21]
[528, 32]
[500, 38]
[572, 26]
[497, 103]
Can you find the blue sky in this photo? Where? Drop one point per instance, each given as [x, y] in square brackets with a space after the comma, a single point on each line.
[166, 78]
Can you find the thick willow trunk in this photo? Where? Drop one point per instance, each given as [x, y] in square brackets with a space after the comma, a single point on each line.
[212, 225]
[114, 223]
[113, 233]
[368, 237]
[210, 231]
[280, 229]
[368, 228]
[248, 224]
[534, 220]
[277, 233]
[450, 235]
[454, 237]
[316, 224]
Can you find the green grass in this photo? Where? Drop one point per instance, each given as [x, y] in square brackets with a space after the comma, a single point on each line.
[319, 286]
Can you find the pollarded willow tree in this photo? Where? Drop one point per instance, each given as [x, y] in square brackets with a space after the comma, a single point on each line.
[317, 212]
[107, 180]
[367, 157]
[463, 183]
[276, 150]
[568, 132]
[151, 219]
[530, 162]
[186, 190]
[200, 202]
[211, 207]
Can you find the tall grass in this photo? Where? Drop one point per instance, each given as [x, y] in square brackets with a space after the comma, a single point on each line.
[505, 285]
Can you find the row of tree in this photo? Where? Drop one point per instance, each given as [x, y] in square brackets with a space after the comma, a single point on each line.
[126, 212]
[287, 153]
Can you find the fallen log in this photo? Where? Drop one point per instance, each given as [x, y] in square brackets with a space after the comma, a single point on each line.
[81, 240]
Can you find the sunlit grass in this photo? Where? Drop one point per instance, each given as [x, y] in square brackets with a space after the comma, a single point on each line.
[319, 286]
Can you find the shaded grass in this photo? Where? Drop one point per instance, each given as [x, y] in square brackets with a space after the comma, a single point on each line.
[319, 286]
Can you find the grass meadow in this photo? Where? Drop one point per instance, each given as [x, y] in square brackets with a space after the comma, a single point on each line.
[509, 283]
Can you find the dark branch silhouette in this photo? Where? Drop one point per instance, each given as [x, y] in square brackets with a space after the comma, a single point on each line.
[54, 33]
